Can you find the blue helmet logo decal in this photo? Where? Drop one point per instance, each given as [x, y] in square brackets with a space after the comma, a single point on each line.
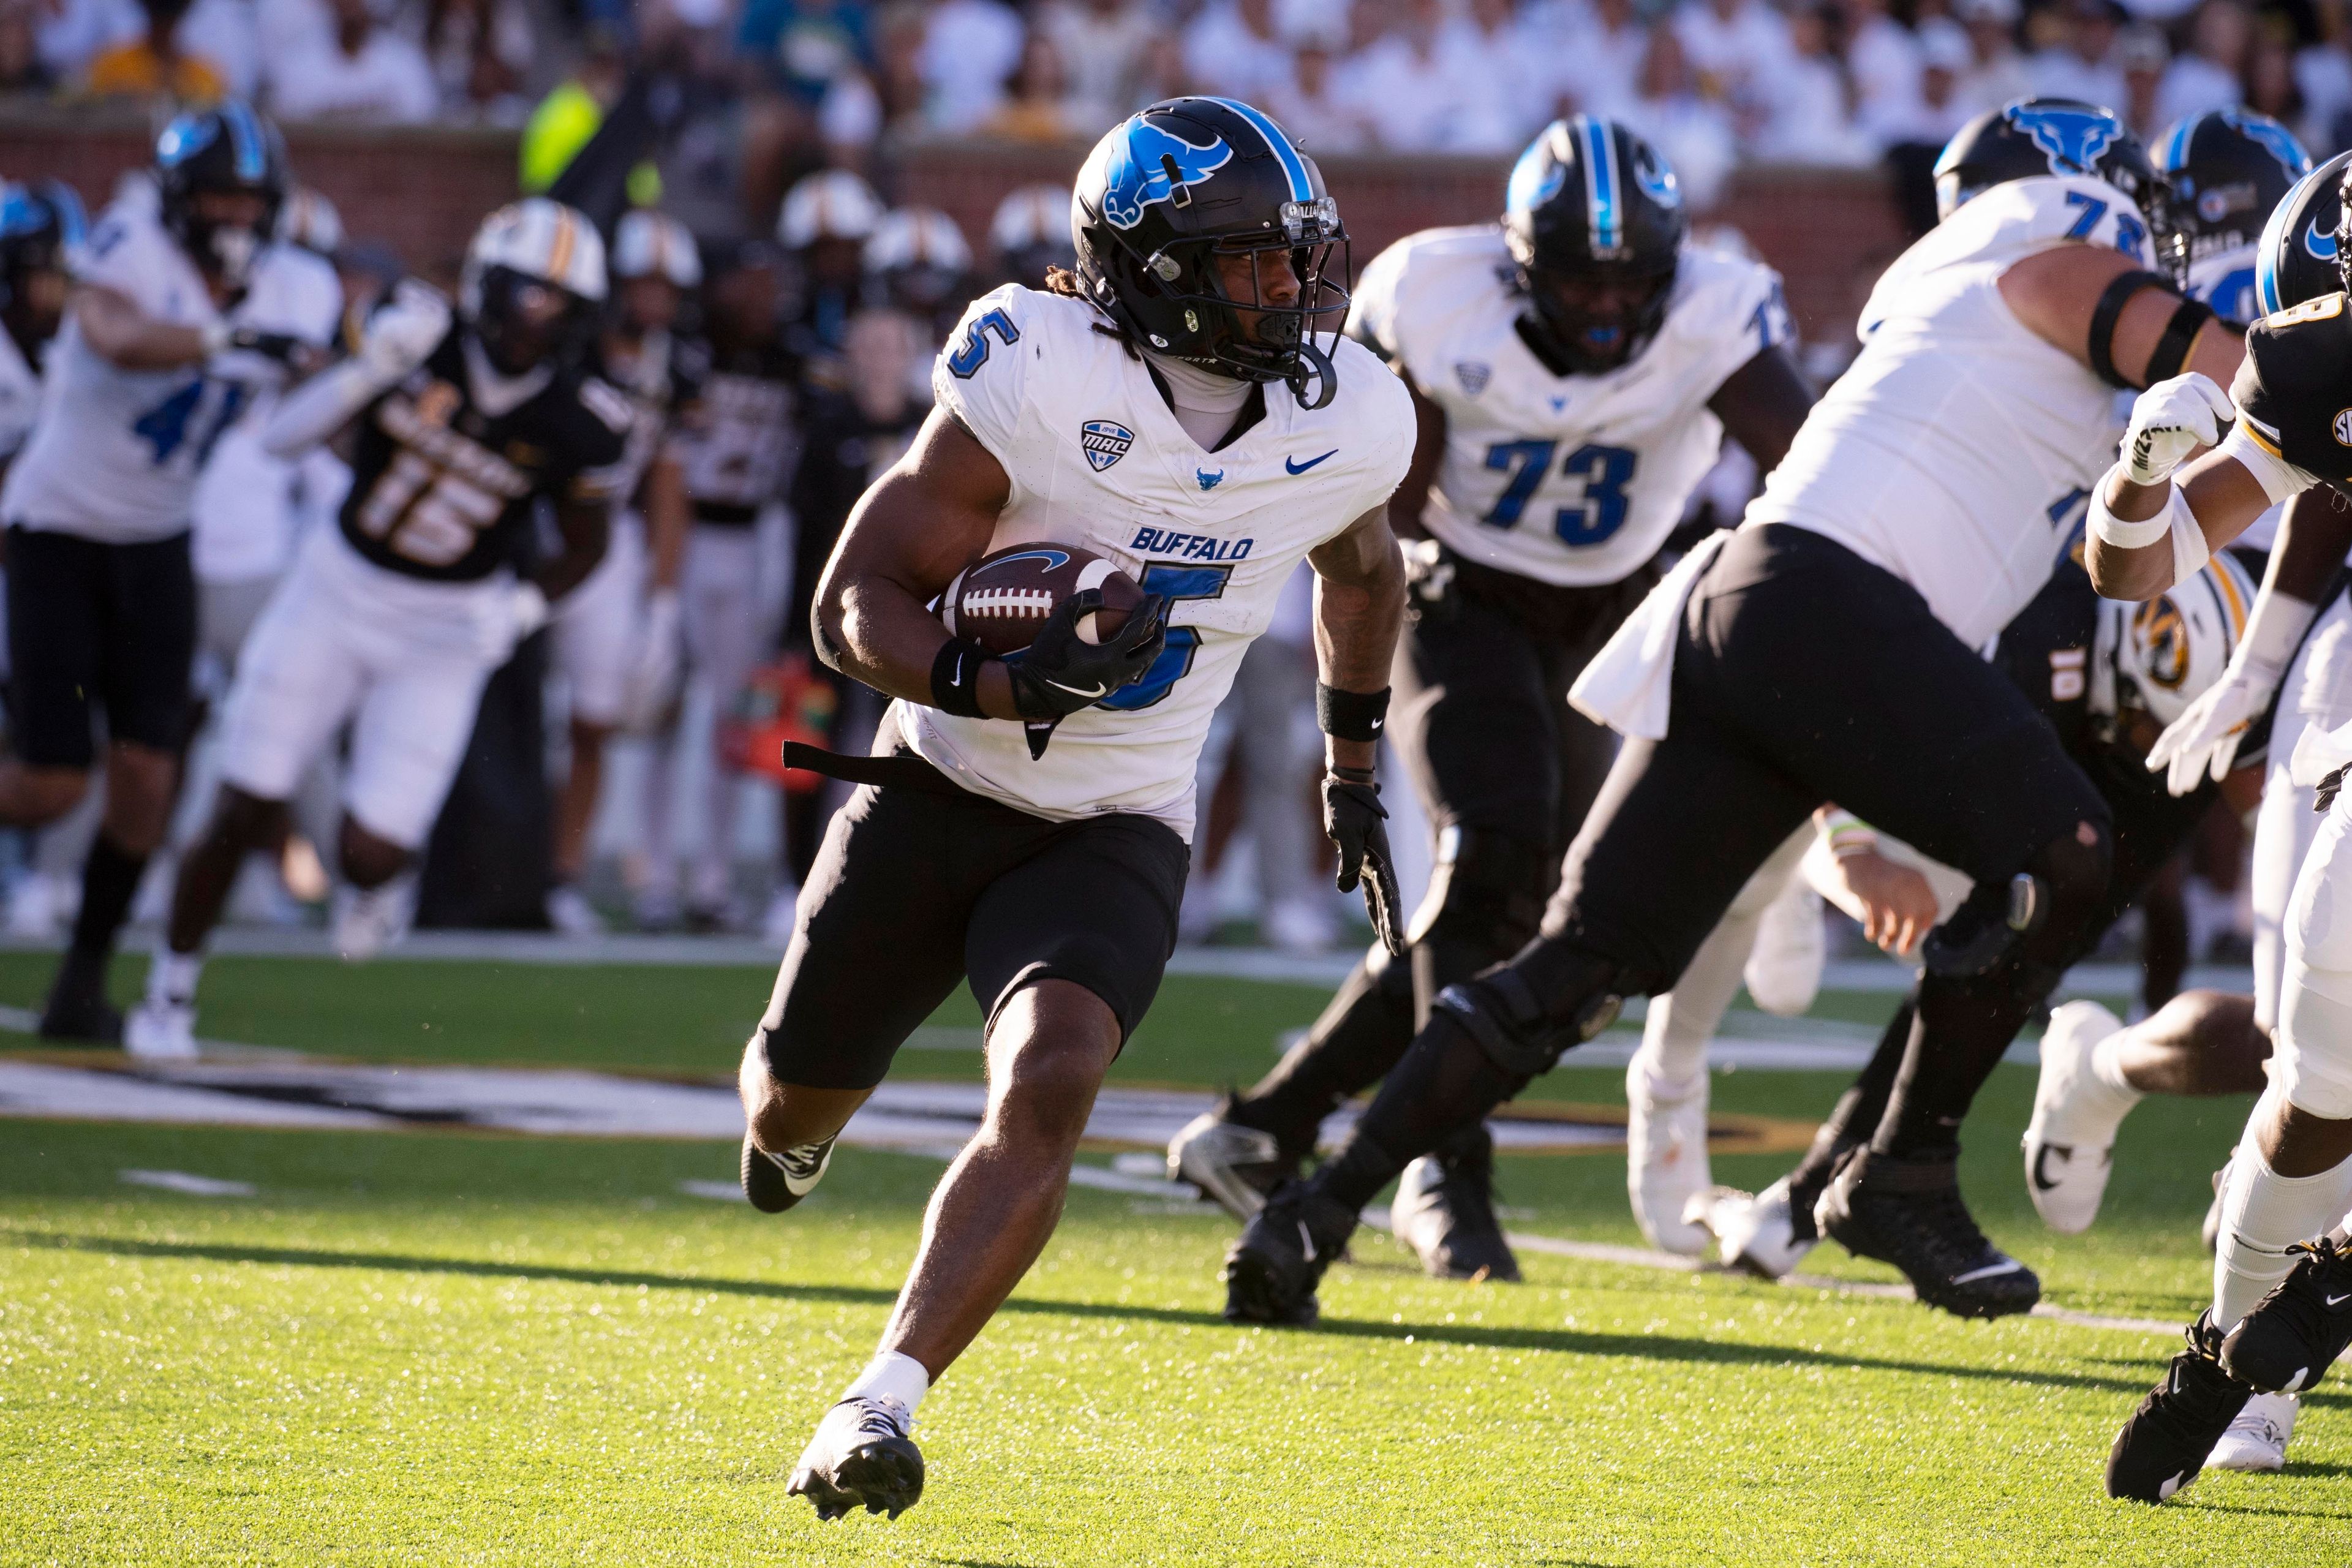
[1536, 178]
[2319, 243]
[184, 138]
[1657, 180]
[1138, 171]
[2073, 139]
[2275, 138]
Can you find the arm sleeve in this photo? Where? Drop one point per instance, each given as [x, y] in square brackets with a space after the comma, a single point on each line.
[317, 408]
[1745, 314]
[2259, 458]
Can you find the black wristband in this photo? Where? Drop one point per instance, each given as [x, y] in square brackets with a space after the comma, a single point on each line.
[955, 677]
[1352, 715]
[1355, 776]
[2172, 349]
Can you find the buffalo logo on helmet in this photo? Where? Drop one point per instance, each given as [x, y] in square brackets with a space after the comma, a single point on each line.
[2073, 137]
[1104, 443]
[1151, 164]
[1651, 173]
[2276, 139]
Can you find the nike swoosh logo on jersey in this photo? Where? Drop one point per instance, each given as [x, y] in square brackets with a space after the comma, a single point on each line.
[2335, 1302]
[1297, 467]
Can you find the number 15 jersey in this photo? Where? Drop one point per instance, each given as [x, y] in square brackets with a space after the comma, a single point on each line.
[1569, 480]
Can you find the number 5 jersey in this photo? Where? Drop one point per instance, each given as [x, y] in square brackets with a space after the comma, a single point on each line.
[1096, 458]
[1569, 480]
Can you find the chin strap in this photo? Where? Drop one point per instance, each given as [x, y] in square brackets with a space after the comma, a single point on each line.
[1319, 372]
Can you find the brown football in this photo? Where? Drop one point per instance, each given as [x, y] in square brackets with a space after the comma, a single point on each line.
[1002, 600]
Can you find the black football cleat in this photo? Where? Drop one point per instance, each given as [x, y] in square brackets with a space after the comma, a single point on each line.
[774, 1183]
[1232, 1164]
[77, 1010]
[1908, 1213]
[1272, 1272]
[1444, 1210]
[2169, 1439]
[861, 1457]
[2293, 1335]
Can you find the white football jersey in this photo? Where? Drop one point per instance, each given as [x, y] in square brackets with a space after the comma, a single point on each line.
[1958, 451]
[1096, 458]
[115, 453]
[20, 397]
[1563, 478]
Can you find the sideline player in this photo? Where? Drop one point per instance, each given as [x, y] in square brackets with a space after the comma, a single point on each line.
[616, 637]
[180, 310]
[2156, 514]
[392, 620]
[1573, 370]
[42, 233]
[1919, 510]
[1183, 405]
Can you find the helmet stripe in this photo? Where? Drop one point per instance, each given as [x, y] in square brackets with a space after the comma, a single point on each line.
[559, 249]
[2275, 237]
[2176, 146]
[1294, 167]
[245, 136]
[1602, 209]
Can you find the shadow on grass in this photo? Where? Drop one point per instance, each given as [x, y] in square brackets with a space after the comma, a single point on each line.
[1480, 1336]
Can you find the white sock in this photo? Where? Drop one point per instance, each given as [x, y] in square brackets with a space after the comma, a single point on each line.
[172, 977]
[900, 1377]
[2107, 1065]
[2262, 1215]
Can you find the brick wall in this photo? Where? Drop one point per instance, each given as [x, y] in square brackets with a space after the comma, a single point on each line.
[424, 190]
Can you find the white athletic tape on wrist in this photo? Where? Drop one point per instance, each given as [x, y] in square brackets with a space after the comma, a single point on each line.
[2124, 534]
[2274, 630]
[2189, 550]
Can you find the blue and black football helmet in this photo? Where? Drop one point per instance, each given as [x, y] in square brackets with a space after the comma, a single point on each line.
[2039, 136]
[227, 148]
[2228, 168]
[1190, 179]
[1595, 222]
[41, 231]
[2301, 254]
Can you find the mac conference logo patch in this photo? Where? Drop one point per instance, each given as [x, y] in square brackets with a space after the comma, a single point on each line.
[1105, 442]
[1472, 375]
[2344, 426]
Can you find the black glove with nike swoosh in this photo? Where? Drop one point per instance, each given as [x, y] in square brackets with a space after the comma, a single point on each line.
[1060, 672]
[1357, 824]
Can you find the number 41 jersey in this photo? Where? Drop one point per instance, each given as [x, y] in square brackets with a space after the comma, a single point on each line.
[1569, 480]
[1096, 458]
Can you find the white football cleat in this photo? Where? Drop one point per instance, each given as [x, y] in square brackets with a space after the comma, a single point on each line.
[160, 1031]
[861, 1457]
[367, 920]
[570, 914]
[2257, 1439]
[1233, 1165]
[1666, 1169]
[1755, 1232]
[2070, 1143]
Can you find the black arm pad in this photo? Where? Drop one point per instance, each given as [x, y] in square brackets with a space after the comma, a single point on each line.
[2172, 349]
[2108, 311]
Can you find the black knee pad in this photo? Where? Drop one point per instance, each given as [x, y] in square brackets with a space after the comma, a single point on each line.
[1522, 1032]
[2036, 916]
[1486, 893]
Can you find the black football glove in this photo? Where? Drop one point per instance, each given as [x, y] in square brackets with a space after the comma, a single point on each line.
[1356, 822]
[283, 347]
[1061, 672]
[1429, 569]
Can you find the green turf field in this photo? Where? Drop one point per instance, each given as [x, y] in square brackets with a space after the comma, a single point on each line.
[433, 1347]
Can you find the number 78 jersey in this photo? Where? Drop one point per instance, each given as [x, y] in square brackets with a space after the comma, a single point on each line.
[1569, 480]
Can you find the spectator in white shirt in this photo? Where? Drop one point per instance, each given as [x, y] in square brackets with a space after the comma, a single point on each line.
[1401, 85]
[1485, 54]
[1309, 107]
[1811, 118]
[1233, 49]
[970, 48]
[1999, 74]
[2145, 57]
[2209, 74]
[363, 72]
[2322, 75]
[2270, 85]
[1695, 134]
[1883, 59]
[1946, 59]
[1598, 60]
[1736, 48]
[2085, 67]
[1102, 44]
[479, 50]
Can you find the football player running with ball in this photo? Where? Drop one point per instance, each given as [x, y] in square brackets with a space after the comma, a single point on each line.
[2281, 1308]
[391, 621]
[1183, 406]
[1573, 370]
[1922, 506]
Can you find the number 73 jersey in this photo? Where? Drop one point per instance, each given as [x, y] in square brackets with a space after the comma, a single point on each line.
[1569, 480]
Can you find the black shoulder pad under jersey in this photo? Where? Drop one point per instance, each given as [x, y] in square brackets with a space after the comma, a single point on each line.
[2295, 387]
